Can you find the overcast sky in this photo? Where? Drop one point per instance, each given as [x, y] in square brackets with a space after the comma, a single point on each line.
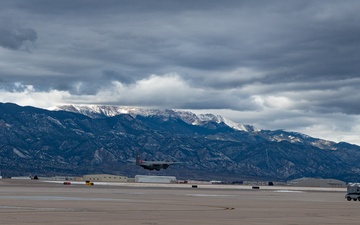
[291, 65]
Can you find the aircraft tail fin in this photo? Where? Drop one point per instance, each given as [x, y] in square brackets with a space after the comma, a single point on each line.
[138, 159]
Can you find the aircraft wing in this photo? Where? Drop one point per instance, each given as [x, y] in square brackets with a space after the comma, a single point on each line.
[162, 162]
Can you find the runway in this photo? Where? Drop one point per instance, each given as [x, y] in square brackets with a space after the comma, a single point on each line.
[36, 202]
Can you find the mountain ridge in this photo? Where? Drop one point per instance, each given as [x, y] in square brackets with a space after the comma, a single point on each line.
[96, 111]
[44, 142]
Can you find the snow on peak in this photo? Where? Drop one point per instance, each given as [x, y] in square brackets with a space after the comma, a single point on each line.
[95, 111]
[220, 119]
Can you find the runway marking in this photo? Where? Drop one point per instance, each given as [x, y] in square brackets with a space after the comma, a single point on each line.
[64, 198]
[17, 209]
[210, 195]
[24, 209]
[215, 206]
[288, 191]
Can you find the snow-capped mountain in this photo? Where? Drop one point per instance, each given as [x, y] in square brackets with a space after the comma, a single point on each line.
[95, 111]
[100, 111]
[38, 141]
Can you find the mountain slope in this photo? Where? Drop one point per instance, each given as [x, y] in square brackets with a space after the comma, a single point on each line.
[42, 142]
[95, 111]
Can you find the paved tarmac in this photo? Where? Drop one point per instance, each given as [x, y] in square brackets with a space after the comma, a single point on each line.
[36, 202]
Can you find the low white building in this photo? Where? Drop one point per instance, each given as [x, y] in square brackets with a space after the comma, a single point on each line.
[154, 179]
[21, 178]
[105, 178]
[313, 182]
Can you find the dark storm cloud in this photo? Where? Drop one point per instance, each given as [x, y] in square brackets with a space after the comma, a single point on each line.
[239, 55]
[115, 76]
[121, 6]
[14, 37]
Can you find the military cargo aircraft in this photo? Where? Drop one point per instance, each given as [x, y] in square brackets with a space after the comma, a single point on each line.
[152, 165]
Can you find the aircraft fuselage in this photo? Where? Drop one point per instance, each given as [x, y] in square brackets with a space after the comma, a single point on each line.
[152, 165]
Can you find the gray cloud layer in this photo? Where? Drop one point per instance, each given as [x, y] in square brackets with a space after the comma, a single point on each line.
[14, 37]
[274, 59]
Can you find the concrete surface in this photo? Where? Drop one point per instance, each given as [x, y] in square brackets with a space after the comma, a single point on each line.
[36, 202]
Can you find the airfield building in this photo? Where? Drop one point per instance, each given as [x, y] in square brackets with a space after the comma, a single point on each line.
[312, 182]
[154, 179]
[105, 178]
